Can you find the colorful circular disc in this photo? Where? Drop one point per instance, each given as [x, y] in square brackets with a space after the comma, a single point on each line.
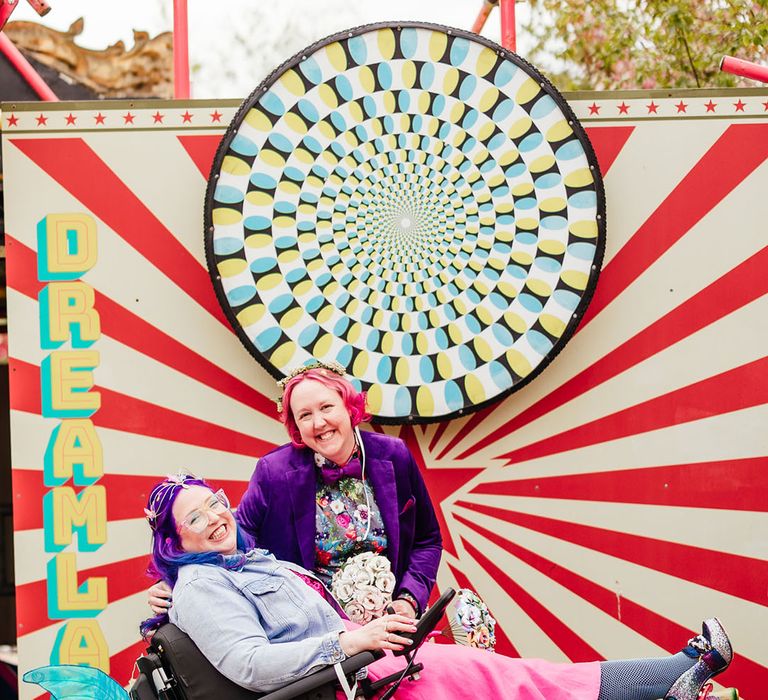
[415, 203]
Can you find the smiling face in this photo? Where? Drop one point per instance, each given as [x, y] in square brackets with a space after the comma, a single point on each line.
[219, 534]
[323, 420]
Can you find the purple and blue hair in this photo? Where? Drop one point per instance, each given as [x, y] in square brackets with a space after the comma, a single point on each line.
[167, 554]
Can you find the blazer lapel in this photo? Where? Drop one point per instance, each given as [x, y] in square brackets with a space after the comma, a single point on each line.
[382, 476]
[300, 483]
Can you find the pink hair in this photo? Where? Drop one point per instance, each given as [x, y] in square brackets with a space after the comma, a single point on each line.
[354, 400]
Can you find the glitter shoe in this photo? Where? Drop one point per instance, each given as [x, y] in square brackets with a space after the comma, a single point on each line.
[713, 651]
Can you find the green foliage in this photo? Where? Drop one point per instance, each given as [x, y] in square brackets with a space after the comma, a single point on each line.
[631, 44]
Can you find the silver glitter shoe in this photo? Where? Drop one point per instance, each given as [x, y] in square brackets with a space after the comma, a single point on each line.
[713, 650]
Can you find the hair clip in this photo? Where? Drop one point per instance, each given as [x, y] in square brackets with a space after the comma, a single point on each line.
[151, 517]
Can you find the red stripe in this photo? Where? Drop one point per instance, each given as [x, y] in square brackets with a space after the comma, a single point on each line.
[124, 578]
[736, 154]
[126, 495]
[121, 663]
[572, 645]
[737, 288]
[106, 196]
[441, 428]
[667, 634]
[201, 149]
[733, 390]
[132, 415]
[743, 577]
[607, 142]
[738, 484]
[134, 332]
[503, 643]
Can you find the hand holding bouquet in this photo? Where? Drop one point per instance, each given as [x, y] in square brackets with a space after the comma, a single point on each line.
[363, 586]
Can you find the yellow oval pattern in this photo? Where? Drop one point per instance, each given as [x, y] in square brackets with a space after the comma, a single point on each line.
[539, 287]
[291, 317]
[579, 178]
[267, 282]
[258, 240]
[385, 38]
[295, 123]
[552, 246]
[558, 131]
[583, 229]
[336, 56]
[450, 80]
[408, 73]
[518, 363]
[258, 120]
[235, 166]
[251, 314]
[323, 346]
[444, 368]
[553, 325]
[374, 398]
[402, 371]
[474, 389]
[226, 217]
[483, 349]
[515, 322]
[425, 403]
[292, 82]
[527, 91]
[486, 60]
[575, 279]
[519, 128]
[231, 267]
[437, 45]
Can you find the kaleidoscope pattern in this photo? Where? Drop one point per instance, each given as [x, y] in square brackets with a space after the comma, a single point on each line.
[415, 203]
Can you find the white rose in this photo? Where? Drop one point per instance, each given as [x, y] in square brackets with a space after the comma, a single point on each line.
[355, 612]
[343, 590]
[363, 577]
[373, 599]
[350, 572]
[386, 582]
[379, 564]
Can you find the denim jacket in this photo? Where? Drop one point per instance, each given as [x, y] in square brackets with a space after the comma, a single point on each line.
[261, 626]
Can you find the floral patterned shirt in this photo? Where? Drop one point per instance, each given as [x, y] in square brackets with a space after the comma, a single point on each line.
[341, 521]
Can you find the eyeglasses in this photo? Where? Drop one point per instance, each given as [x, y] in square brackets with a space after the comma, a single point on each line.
[197, 520]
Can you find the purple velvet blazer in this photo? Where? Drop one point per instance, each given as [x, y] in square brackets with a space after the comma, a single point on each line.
[278, 509]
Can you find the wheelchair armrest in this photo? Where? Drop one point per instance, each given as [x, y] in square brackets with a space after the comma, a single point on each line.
[319, 678]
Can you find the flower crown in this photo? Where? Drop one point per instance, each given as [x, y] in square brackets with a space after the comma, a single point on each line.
[334, 367]
[161, 493]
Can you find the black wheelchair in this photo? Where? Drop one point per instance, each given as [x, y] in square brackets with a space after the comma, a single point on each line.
[173, 668]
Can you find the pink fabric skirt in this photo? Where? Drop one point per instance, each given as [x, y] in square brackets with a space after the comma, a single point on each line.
[456, 672]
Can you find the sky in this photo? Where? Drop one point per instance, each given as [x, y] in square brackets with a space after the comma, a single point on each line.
[234, 46]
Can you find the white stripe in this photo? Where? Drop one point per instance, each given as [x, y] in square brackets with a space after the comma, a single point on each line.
[731, 531]
[160, 189]
[696, 441]
[672, 597]
[126, 539]
[131, 453]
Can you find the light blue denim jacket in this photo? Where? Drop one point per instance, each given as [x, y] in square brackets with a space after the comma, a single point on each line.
[262, 626]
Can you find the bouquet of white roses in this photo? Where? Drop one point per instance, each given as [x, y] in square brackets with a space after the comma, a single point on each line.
[363, 586]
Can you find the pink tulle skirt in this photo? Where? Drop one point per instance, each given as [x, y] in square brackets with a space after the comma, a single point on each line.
[456, 672]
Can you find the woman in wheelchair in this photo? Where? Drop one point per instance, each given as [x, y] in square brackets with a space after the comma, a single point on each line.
[259, 622]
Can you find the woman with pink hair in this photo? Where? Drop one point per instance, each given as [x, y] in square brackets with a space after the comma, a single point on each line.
[335, 491]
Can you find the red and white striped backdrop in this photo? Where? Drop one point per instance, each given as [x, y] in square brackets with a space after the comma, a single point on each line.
[602, 511]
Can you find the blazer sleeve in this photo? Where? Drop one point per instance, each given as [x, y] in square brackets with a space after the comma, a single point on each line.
[427, 545]
[253, 506]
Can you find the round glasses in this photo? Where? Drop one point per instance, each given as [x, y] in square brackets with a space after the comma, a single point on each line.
[197, 520]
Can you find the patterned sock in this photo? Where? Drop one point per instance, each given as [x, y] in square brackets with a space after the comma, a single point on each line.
[641, 679]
